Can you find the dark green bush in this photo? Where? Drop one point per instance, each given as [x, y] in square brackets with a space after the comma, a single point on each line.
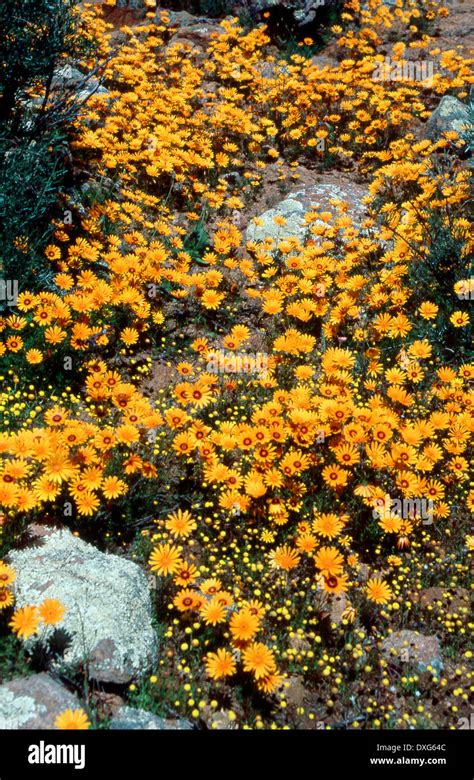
[31, 176]
[37, 38]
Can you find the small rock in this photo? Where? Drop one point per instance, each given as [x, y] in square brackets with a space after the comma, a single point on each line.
[363, 572]
[271, 70]
[107, 601]
[299, 643]
[450, 114]
[184, 46]
[69, 78]
[453, 599]
[217, 719]
[295, 691]
[34, 702]
[338, 605]
[197, 30]
[107, 703]
[414, 648]
[160, 377]
[179, 18]
[130, 719]
[66, 76]
[323, 61]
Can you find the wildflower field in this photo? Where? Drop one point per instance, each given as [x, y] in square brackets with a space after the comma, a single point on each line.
[272, 419]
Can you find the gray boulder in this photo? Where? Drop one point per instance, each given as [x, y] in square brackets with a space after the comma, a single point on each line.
[294, 207]
[414, 648]
[189, 29]
[107, 601]
[291, 210]
[450, 114]
[34, 702]
[130, 719]
[71, 79]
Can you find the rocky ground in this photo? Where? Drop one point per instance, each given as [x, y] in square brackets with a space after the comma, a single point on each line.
[108, 636]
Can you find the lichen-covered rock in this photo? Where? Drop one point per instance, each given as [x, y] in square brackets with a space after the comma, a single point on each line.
[411, 647]
[107, 601]
[267, 226]
[130, 719]
[322, 195]
[72, 80]
[450, 114]
[33, 702]
[294, 207]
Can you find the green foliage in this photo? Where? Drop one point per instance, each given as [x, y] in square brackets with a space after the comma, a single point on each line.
[293, 47]
[31, 175]
[13, 658]
[433, 277]
[11, 533]
[197, 242]
[37, 36]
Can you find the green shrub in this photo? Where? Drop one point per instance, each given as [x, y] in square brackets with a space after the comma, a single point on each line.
[38, 37]
[31, 175]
